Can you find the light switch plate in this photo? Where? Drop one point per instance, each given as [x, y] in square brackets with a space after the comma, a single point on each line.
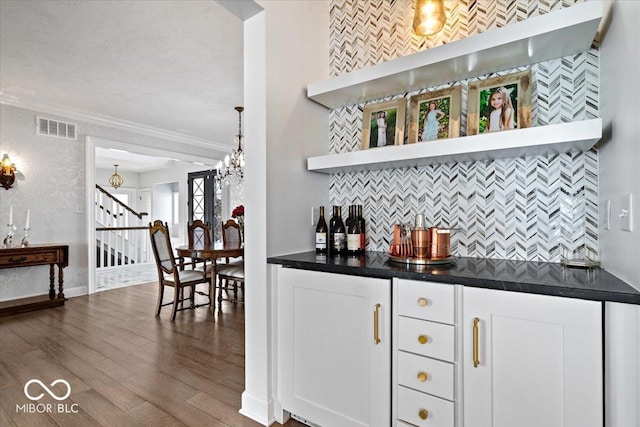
[626, 212]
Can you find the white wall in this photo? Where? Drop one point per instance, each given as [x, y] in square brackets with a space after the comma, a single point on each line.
[620, 153]
[286, 47]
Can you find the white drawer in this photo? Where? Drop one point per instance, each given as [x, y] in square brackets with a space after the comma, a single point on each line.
[426, 338]
[425, 300]
[439, 412]
[425, 374]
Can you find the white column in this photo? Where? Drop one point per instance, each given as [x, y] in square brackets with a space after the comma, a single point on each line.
[286, 46]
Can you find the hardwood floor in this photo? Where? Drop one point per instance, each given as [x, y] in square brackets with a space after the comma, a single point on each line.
[125, 366]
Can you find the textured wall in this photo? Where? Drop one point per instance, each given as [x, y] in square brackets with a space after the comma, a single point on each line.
[531, 208]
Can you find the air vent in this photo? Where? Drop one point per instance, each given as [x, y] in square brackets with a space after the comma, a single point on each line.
[49, 127]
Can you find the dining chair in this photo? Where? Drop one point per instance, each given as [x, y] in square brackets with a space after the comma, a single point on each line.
[231, 272]
[173, 274]
[198, 235]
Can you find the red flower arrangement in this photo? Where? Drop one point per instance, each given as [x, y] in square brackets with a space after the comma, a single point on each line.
[238, 211]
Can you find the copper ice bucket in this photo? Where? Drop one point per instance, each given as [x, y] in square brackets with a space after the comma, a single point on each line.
[439, 242]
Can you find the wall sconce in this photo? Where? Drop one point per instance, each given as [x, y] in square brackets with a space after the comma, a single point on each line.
[116, 180]
[429, 17]
[7, 172]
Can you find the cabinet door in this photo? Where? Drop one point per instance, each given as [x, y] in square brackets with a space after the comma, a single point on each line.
[540, 360]
[332, 370]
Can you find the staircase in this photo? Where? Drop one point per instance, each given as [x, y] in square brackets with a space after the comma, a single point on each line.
[122, 236]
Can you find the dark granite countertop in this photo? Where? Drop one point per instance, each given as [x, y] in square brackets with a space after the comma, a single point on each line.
[520, 276]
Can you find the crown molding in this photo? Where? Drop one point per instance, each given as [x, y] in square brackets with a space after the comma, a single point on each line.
[8, 98]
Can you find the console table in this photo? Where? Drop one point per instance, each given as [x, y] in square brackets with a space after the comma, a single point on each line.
[30, 256]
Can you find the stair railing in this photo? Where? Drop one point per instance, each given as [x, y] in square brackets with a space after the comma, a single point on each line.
[121, 237]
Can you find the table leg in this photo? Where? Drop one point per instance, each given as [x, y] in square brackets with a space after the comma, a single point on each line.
[52, 277]
[213, 290]
[60, 282]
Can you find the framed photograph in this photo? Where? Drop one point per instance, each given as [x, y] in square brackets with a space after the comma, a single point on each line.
[383, 124]
[500, 103]
[435, 115]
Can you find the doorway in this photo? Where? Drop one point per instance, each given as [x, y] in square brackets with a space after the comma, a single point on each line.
[205, 201]
[169, 174]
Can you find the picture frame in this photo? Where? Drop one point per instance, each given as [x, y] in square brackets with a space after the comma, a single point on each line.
[392, 115]
[443, 123]
[515, 87]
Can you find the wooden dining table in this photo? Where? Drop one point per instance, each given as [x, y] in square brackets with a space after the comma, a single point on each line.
[211, 253]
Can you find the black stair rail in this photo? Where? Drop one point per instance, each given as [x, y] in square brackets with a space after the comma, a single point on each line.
[111, 196]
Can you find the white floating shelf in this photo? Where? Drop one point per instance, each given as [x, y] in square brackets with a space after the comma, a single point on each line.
[554, 35]
[551, 139]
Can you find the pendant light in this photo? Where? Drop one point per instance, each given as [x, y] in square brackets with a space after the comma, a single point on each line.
[116, 180]
[429, 17]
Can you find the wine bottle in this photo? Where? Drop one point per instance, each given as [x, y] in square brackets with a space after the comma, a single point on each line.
[353, 232]
[321, 233]
[332, 227]
[338, 242]
[361, 223]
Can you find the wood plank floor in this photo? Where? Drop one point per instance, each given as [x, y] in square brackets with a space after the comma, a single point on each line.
[125, 366]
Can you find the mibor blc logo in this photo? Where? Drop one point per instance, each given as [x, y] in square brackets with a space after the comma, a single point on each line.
[35, 390]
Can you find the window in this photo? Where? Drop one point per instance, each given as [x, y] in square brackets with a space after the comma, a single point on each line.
[205, 201]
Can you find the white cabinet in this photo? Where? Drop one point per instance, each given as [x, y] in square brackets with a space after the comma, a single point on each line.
[334, 349]
[531, 360]
[424, 354]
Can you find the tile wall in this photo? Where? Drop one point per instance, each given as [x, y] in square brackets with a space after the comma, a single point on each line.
[529, 208]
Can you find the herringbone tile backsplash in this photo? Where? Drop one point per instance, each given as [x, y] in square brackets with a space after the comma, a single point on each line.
[530, 208]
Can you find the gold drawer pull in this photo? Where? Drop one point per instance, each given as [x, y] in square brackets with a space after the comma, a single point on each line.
[376, 326]
[476, 358]
[422, 376]
[423, 414]
[422, 339]
[422, 302]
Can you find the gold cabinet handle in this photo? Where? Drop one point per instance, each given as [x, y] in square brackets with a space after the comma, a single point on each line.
[422, 376]
[422, 302]
[376, 326]
[423, 414]
[476, 358]
[422, 339]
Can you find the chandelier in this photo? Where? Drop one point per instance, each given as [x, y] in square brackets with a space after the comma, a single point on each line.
[233, 167]
[116, 180]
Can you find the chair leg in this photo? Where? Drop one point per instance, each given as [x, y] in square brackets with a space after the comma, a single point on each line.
[219, 294]
[192, 296]
[174, 308]
[160, 297]
[235, 291]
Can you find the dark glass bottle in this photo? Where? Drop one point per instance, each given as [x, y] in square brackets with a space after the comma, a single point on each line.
[321, 233]
[338, 232]
[332, 226]
[353, 232]
[362, 226]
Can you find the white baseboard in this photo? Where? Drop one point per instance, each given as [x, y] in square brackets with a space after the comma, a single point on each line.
[75, 292]
[259, 410]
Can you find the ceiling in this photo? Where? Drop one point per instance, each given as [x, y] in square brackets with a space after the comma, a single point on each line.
[131, 162]
[171, 65]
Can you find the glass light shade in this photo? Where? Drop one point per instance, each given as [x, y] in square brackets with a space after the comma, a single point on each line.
[7, 165]
[429, 17]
